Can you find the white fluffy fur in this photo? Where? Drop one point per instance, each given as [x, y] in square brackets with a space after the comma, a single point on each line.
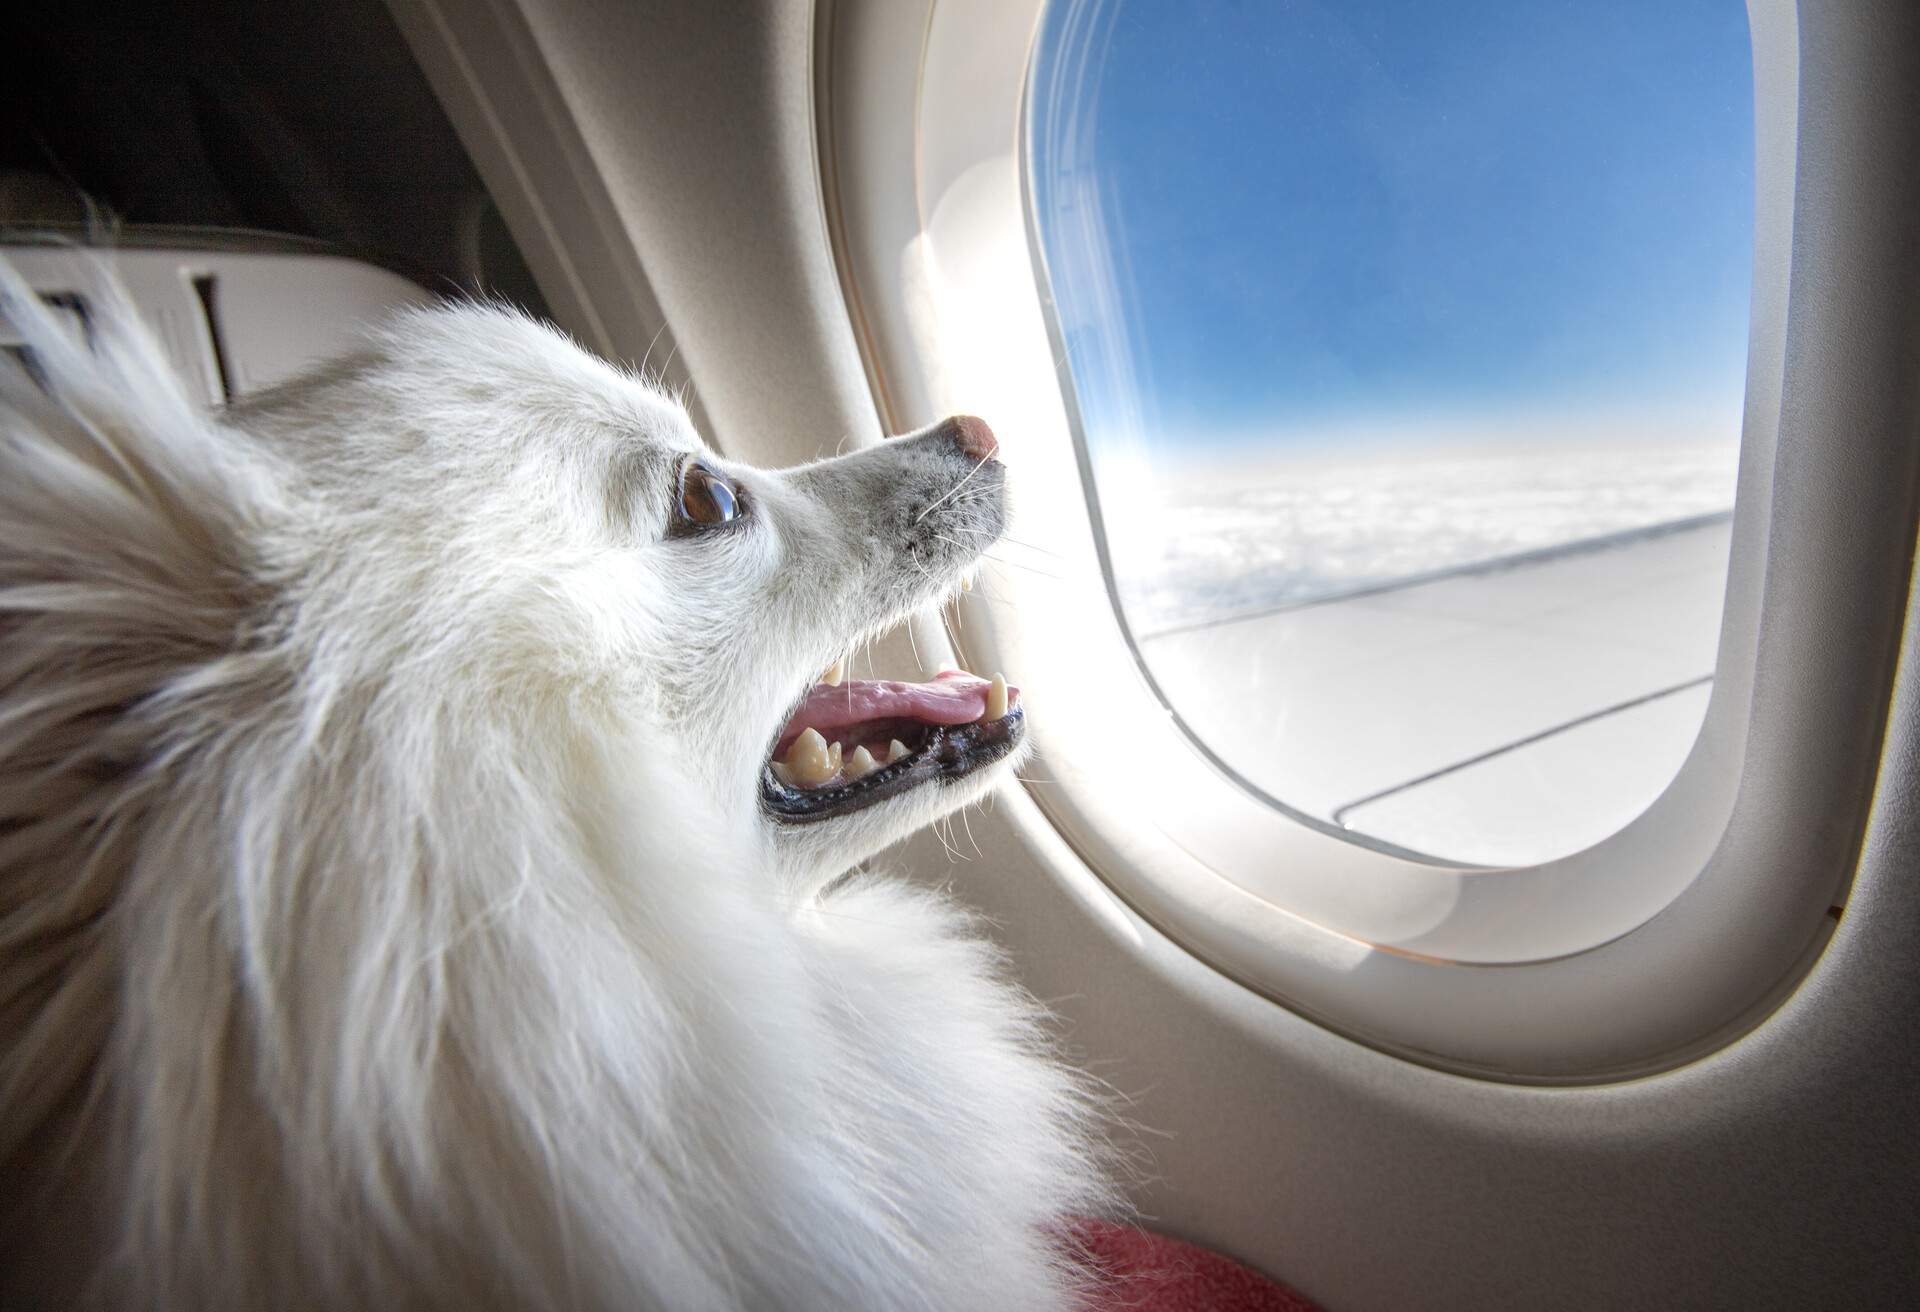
[386, 916]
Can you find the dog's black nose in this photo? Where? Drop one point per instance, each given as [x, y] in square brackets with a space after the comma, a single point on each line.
[972, 436]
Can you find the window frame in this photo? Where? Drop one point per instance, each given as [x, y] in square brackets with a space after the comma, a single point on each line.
[1637, 954]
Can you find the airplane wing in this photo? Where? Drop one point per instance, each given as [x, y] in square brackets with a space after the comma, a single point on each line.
[1502, 713]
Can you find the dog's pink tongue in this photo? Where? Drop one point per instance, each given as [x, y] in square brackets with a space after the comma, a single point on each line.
[952, 697]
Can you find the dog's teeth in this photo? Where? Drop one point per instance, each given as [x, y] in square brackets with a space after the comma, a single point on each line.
[833, 755]
[809, 761]
[835, 675]
[997, 698]
[783, 774]
[895, 750]
[861, 763]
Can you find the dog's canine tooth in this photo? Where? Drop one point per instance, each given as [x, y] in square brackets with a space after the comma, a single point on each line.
[783, 774]
[895, 750]
[836, 673]
[997, 698]
[834, 757]
[809, 761]
[861, 763]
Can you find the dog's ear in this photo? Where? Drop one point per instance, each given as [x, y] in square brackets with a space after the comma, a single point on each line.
[129, 520]
[100, 424]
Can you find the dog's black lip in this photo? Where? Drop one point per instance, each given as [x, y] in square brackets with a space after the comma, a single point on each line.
[951, 751]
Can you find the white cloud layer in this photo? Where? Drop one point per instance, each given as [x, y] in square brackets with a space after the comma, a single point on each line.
[1195, 541]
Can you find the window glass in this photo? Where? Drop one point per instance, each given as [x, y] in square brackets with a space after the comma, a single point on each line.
[1408, 342]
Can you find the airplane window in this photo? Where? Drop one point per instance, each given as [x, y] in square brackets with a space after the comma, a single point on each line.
[1407, 343]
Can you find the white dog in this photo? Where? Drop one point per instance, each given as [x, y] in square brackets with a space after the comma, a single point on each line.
[417, 890]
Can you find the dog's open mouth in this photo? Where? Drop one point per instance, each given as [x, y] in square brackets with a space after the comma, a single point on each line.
[853, 742]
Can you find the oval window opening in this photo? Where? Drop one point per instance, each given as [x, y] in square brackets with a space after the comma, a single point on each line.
[1408, 345]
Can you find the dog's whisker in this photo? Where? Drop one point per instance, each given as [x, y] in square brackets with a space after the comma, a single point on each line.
[934, 829]
[998, 559]
[1008, 537]
[992, 595]
[954, 490]
[952, 842]
[651, 343]
[968, 826]
[1004, 563]
[1001, 535]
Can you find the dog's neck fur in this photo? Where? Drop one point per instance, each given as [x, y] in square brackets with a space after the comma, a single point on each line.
[519, 1075]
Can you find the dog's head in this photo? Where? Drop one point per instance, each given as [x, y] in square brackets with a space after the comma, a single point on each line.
[507, 516]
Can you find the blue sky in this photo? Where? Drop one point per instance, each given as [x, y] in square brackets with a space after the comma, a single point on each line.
[1324, 213]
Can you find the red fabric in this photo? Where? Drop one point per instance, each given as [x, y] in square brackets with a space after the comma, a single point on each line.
[1152, 1273]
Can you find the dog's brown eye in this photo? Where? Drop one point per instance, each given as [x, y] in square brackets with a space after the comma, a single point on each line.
[706, 498]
